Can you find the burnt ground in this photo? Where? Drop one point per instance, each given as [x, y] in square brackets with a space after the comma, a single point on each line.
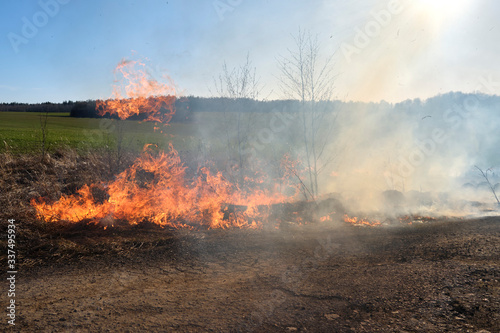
[432, 277]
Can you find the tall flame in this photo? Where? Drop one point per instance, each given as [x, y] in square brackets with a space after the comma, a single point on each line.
[139, 94]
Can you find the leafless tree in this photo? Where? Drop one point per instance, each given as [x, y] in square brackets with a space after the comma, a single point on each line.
[306, 78]
[236, 84]
[485, 175]
[239, 82]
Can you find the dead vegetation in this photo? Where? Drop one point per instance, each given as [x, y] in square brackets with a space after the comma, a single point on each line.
[27, 177]
[436, 275]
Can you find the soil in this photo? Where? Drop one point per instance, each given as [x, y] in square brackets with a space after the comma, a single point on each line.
[437, 276]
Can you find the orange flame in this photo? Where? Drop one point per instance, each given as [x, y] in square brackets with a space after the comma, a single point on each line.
[139, 94]
[325, 218]
[361, 221]
[155, 189]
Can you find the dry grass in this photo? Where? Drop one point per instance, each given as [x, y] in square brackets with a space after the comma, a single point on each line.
[26, 177]
[29, 176]
[32, 176]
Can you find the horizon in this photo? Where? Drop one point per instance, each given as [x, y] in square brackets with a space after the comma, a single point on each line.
[383, 50]
[282, 99]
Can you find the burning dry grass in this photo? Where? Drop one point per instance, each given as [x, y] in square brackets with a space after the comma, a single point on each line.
[25, 177]
[155, 188]
[151, 188]
[73, 177]
[133, 201]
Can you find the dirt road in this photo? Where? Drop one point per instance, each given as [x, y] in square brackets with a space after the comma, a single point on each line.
[435, 277]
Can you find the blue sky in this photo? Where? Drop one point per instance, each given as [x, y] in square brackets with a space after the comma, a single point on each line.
[425, 48]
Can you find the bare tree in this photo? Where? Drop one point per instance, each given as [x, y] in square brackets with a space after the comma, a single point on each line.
[239, 82]
[236, 84]
[303, 77]
[485, 175]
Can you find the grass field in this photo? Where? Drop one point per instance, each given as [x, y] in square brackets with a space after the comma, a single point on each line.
[21, 132]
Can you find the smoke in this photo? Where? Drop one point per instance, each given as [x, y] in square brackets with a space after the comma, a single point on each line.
[416, 156]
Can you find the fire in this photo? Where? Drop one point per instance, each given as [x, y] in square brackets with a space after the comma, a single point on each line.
[156, 188]
[139, 94]
[325, 218]
[361, 221]
[82, 207]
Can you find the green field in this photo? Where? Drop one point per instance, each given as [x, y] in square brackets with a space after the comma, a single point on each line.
[21, 132]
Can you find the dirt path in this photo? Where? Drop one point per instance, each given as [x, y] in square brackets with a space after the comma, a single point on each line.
[423, 278]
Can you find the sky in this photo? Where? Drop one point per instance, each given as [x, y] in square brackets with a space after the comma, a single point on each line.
[392, 50]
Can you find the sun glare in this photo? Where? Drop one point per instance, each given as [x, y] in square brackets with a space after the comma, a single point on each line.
[443, 8]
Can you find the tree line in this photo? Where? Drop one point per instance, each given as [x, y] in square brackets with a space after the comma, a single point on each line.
[65, 106]
[184, 107]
